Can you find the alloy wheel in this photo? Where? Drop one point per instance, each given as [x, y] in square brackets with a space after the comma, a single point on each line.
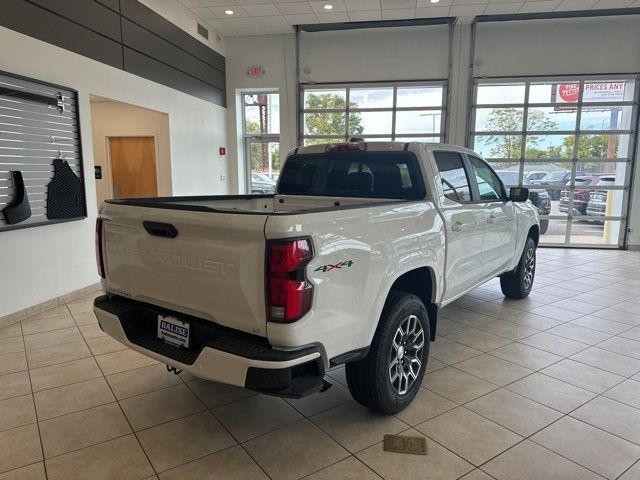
[529, 268]
[406, 353]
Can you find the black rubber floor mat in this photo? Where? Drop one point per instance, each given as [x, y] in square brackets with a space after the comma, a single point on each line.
[64, 193]
[18, 209]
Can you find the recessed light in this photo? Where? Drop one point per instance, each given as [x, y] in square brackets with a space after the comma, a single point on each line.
[434, 1]
[328, 7]
[229, 12]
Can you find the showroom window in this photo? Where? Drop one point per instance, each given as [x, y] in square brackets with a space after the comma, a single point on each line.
[570, 141]
[375, 112]
[261, 134]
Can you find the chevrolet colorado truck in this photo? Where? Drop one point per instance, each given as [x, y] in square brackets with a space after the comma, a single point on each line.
[347, 263]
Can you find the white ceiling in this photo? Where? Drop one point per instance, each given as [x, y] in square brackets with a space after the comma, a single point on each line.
[259, 17]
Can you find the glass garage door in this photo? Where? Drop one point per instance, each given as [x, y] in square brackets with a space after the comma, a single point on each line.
[404, 111]
[570, 141]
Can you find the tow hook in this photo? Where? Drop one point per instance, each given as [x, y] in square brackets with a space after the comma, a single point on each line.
[175, 370]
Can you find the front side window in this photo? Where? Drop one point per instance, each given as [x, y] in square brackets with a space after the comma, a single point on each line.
[453, 175]
[488, 183]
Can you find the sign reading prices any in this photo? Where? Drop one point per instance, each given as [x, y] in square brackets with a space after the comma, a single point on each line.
[593, 92]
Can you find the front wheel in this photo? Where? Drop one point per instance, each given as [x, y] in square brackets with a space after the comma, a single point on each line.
[517, 284]
[389, 377]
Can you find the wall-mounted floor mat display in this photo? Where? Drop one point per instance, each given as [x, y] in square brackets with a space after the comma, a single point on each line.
[64, 193]
[39, 122]
[18, 209]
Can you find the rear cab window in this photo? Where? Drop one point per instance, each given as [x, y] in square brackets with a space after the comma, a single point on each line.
[393, 175]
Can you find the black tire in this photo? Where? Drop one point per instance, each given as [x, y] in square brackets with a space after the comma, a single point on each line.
[544, 226]
[517, 284]
[370, 380]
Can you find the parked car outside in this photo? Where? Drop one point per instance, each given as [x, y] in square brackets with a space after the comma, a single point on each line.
[559, 178]
[538, 196]
[261, 185]
[535, 175]
[580, 195]
[597, 206]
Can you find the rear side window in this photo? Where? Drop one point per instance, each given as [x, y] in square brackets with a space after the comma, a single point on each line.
[353, 174]
[453, 175]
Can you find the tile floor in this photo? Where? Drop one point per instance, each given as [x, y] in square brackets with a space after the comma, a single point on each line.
[547, 387]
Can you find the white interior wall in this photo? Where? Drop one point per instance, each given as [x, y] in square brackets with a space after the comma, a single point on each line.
[558, 46]
[116, 119]
[37, 264]
[375, 54]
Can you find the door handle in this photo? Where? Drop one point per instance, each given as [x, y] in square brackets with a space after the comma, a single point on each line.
[491, 219]
[160, 229]
[457, 227]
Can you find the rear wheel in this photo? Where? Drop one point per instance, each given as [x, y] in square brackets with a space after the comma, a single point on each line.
[389, 377]
[517, 284]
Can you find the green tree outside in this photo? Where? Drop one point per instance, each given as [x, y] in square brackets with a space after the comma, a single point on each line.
[330, 123]
[510, 146]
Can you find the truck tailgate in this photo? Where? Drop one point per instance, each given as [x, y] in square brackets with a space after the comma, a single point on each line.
[213, 268]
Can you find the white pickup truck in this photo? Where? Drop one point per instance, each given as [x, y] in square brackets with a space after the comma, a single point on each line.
[348, 263]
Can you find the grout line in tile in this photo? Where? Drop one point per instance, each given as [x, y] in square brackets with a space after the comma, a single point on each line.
[35, 410]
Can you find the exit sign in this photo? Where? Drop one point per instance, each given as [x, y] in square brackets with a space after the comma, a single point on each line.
[255, 72]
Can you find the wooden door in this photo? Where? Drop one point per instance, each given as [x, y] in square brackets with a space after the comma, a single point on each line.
[133, 167]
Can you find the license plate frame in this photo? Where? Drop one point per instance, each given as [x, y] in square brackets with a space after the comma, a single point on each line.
[174, 331]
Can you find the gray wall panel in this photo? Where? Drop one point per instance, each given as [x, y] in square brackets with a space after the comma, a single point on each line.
[112, 4]
[143, 41]
[163, 52]
[147, 18]
[39, 23]
[88, 13]
[147, 67]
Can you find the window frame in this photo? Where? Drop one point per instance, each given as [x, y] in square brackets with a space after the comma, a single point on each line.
[625, 133]
[440, 137]
[248, 138]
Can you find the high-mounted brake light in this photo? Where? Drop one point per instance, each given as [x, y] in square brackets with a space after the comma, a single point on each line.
[346, 147]
[289, 293]
[99, 259]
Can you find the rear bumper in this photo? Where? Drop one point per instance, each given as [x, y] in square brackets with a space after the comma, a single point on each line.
[217, 353]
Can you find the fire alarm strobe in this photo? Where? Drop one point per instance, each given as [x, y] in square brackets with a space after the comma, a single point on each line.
[223, 151]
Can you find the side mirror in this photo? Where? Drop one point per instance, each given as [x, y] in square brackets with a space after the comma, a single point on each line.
[518, 194]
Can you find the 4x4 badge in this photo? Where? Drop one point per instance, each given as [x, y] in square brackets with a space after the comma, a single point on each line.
[326, 268]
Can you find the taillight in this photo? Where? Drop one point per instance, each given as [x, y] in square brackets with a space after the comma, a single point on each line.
[99, 260]
[289, 293]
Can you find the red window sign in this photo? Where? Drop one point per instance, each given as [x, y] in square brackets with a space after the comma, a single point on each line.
[569, 93]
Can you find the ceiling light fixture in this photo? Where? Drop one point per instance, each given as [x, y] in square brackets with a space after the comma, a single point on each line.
[229, 12]
[434, 1]
[328, 7]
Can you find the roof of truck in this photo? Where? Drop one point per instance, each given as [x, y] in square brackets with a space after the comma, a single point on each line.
[384, 146]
